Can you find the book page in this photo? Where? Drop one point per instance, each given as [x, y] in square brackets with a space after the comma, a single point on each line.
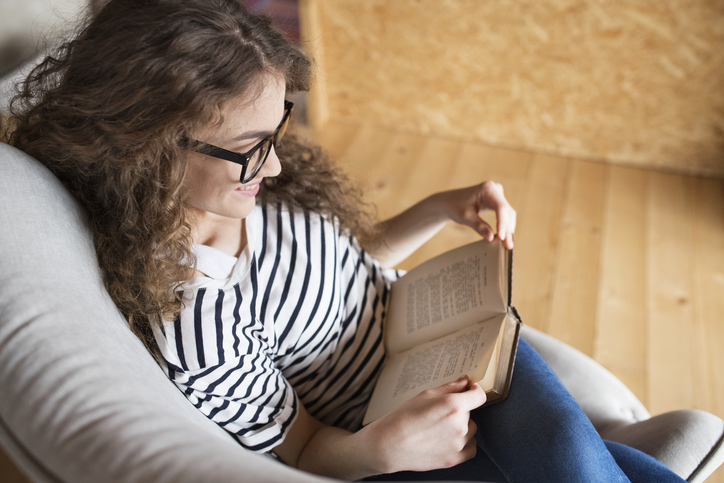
[445, 294]
[504, 280]
[467, 351]
[487, 380]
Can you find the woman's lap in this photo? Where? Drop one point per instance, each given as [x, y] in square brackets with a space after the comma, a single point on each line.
[542, 422]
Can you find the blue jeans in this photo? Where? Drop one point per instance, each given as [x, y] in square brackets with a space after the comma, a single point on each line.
[540, 434]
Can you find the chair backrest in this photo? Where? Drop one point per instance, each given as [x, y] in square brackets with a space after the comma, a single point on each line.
[81, 399]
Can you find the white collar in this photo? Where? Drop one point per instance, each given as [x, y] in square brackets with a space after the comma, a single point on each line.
[219, 265]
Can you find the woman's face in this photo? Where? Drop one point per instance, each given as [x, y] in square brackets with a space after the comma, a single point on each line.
[214, 190]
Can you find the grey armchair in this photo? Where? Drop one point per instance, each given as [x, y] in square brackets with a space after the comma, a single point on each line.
[82, 400]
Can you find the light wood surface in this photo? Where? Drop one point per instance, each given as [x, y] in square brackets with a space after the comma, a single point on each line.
[626, 265]
[620, 342]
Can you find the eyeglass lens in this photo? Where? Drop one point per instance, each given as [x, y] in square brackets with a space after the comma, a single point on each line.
[259, 157]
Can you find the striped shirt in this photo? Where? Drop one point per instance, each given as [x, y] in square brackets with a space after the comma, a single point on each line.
[298, 316]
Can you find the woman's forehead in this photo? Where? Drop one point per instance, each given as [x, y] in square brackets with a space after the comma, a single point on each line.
[259, 111]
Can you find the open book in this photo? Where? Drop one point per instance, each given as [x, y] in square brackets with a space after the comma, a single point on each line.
[448, 317]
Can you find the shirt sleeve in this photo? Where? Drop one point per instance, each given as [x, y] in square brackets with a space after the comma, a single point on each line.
[246, 395]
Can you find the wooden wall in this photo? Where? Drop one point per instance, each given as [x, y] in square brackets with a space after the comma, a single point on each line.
[629, 82]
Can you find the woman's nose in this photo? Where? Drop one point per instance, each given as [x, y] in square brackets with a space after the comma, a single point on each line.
[272, 167]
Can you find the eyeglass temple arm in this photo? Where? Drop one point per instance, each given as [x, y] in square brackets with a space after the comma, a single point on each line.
[222, 153]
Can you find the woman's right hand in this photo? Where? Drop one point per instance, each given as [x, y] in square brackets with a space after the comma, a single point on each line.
[430, 431]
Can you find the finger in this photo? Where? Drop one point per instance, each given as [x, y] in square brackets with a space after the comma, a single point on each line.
[506, 236]
[472, 429]
[470, 449]
[501, 224]
[472, 398]
[513, 220]
[505, 216]
[482, 227]
[458, 385]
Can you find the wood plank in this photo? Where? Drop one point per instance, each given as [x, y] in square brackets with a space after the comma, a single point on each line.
[538, 238]
[391, 176]
[671, 312]
[709, 283]
[363, 153]
[708, 207]
[432, 172]
[336, 137]
[621, 320]
[575, 289]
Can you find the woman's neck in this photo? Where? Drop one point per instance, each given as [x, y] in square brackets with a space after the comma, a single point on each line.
[225, 234]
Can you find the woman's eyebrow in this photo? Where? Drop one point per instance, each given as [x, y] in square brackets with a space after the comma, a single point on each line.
[253, 135]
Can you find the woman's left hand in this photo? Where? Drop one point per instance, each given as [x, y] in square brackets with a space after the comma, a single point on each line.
[464, 206]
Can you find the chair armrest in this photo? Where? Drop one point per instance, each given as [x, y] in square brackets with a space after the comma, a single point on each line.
[688, 441]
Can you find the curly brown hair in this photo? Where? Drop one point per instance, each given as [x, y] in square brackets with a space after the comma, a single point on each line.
[109, 114]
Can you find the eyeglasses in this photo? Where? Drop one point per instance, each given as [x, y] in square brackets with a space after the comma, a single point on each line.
[252, 160]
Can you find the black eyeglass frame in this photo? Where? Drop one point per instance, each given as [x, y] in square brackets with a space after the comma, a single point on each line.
[244, 158]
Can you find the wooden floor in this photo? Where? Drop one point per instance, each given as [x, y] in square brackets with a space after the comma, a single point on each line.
[626, 265]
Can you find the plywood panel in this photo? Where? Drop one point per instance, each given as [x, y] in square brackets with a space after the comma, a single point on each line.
[627, 82]
[621, 320]
[310, 29]
[575, 289]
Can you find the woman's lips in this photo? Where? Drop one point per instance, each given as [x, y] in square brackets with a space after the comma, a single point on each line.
[249, 190]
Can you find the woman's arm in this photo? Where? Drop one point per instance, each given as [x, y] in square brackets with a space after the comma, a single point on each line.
[432, 430]
[406, 232]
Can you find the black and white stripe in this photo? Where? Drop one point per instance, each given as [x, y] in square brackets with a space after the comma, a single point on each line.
[300, 318]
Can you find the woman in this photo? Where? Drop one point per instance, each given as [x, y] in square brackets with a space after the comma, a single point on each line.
[240, 267]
